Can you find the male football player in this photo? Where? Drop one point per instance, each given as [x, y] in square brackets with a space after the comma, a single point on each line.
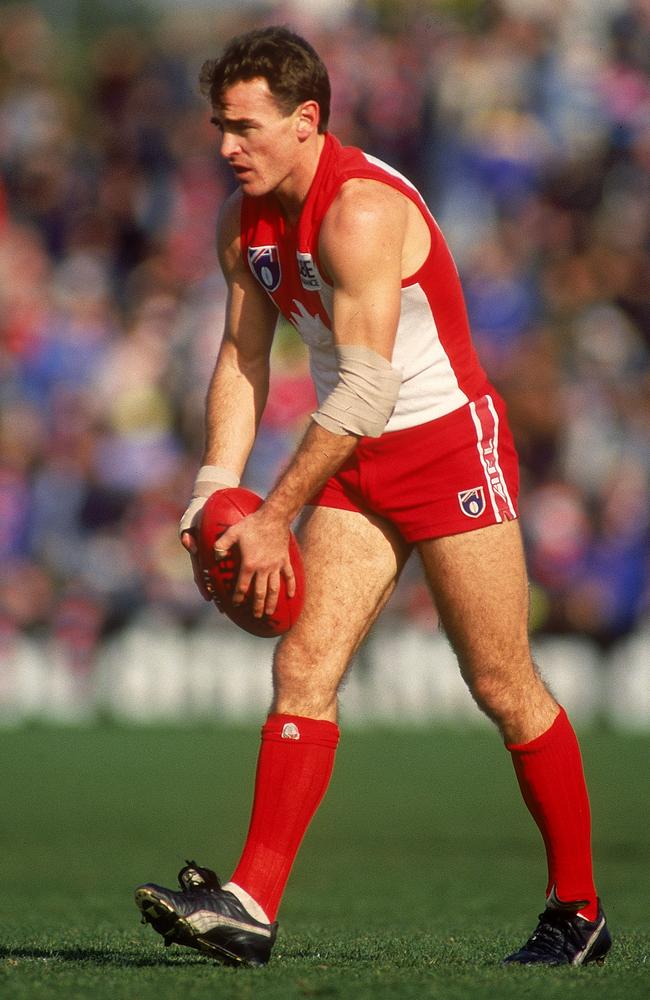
[409, 448]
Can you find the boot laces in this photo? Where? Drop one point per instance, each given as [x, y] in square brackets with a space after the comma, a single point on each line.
[553, 933]
[194, 878]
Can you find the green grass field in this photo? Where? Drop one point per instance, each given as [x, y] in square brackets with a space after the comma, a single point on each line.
[420, 872]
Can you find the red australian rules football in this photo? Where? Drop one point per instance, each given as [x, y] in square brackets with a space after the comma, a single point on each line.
[221, 509]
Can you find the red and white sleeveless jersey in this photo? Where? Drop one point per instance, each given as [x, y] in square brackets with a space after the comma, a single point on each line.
[433, 348]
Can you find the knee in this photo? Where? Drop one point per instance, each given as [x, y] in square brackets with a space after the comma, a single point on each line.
[489, 691]
[510, 696]
[502, 688]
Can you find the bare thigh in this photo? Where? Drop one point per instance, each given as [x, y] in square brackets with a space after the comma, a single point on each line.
[480, 587]
[352, 562]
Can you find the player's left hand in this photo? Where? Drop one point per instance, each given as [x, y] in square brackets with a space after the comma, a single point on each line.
[263, 539]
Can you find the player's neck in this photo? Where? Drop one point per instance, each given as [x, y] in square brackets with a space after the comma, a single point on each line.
[293, 192]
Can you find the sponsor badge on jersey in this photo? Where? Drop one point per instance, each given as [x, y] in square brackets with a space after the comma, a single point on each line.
[265, 264]
[308, 274]
[472, 502]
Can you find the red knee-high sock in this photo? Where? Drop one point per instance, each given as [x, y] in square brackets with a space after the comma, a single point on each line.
[293, 771]
[551, 779]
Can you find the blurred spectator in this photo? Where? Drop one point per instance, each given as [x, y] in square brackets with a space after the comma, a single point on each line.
[527, 126]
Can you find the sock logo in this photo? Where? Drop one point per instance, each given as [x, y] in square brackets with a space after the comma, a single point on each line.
[290, 731]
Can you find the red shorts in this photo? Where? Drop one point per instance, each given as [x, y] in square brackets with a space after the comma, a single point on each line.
[453, 474]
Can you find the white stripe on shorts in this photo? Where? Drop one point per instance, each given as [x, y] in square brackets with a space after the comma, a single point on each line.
[486, 422]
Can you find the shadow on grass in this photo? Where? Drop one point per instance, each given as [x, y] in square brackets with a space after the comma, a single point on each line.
[100, 956]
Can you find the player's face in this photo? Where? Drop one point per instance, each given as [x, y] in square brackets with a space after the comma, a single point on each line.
[260, 143]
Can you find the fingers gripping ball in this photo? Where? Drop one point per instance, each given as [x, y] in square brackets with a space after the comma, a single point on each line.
[221, 509]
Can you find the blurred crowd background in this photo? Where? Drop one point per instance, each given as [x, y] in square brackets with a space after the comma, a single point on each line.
[526, 125]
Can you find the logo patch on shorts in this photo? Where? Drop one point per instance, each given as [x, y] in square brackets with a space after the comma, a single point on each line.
[265, 264]
[472, 502]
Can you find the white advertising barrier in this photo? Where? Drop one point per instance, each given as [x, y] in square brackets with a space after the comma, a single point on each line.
[157, 671]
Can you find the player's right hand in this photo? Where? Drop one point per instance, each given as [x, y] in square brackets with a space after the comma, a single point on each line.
[263, 540]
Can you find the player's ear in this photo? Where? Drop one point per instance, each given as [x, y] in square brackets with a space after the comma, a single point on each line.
[308, 117]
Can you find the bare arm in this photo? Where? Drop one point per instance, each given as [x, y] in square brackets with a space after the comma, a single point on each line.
[240, 382]
[239, 385]
[361, 246]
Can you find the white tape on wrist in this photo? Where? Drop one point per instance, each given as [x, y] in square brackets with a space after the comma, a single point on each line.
[208, 479]
[213, 477]
[365, 395]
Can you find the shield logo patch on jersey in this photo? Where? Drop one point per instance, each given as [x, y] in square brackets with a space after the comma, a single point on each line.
[265, 265]
[472, 502]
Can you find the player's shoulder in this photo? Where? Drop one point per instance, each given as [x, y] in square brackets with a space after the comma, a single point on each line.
[229, 218]
[229, 231]
[360, 196]
[364, 208]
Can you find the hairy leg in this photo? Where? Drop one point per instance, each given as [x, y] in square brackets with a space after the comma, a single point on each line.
[479, 583]
[352, 562]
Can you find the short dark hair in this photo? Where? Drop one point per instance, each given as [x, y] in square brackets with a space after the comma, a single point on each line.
[292, 68]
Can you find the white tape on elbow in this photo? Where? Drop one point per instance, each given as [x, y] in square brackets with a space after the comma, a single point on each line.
[365, 395]
[209, 478]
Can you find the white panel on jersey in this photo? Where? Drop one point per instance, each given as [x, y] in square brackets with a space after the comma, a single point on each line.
[390, 170]
[429, 385]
